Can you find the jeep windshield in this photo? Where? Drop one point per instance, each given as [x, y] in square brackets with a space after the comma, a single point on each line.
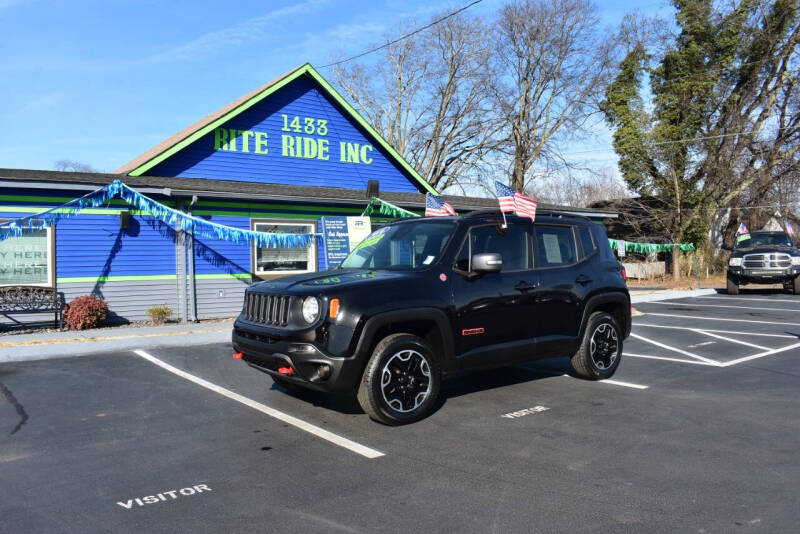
[764, 240]
[410, 246]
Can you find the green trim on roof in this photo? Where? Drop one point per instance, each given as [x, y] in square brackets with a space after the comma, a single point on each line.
[88, 211]
[64, 200]
[305, 69]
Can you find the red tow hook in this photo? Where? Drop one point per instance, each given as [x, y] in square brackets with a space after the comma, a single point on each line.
[237, 355]
[286, 370]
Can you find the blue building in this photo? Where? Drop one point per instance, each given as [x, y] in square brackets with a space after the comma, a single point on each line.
[276, 160]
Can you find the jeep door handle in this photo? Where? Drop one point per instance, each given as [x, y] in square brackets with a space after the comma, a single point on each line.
[524, 286]
[583, 279]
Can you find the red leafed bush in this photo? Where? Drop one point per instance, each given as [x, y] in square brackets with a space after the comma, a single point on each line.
[85, 312]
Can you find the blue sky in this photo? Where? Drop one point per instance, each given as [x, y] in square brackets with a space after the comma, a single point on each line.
[102, 81]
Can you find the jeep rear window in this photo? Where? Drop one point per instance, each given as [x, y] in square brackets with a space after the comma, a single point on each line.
[408, 246]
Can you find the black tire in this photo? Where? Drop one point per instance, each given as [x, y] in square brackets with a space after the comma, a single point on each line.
[599, 358]
[288, 385]
[733, 287]
[796, 285]
[398, 391]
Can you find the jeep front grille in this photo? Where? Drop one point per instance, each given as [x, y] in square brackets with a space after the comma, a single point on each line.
[267, 309]
[772, 260]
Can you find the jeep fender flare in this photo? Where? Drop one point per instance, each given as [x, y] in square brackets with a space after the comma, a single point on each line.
[371, 327]
[593, 303]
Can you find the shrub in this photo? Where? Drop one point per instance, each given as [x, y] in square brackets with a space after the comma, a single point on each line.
[159, 314]
[85, 312]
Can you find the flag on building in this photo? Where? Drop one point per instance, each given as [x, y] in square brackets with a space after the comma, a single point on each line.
[789, 228]
[437, 206]
[512, 201]
[742, 234]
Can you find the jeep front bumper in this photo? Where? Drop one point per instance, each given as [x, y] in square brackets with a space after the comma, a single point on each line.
[311, 366]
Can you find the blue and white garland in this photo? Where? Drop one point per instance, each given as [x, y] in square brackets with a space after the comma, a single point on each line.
[172, 217]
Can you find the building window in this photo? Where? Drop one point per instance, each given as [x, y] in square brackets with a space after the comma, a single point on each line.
[280, 261]
[28, 260]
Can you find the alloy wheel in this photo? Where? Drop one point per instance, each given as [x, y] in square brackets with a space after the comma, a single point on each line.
[406, 380]
[604, 346]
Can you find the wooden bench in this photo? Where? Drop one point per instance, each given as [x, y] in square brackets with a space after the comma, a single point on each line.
[32, 299]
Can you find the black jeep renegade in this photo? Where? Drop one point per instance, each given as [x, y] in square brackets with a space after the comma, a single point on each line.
[422, 299]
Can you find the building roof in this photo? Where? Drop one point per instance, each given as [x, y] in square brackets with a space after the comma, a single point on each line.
[187, 187]
[143, 163]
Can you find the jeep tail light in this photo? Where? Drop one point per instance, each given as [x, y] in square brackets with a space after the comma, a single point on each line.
[624, 274]
[286, 370]
[237, 355]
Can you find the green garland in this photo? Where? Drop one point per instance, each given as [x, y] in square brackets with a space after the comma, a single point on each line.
[386, 208]
[651, 248]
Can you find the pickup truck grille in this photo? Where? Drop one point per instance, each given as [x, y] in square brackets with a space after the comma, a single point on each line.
[772, 260]
[267, 309]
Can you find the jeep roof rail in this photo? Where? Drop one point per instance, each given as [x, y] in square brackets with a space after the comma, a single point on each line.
[543, 213]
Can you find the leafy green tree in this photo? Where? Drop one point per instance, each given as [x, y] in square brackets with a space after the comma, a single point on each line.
[716, 123]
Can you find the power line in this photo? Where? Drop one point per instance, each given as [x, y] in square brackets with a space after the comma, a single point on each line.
[406, 36]
[674, 142]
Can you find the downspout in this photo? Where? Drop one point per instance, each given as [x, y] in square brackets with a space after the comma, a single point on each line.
[192, 293]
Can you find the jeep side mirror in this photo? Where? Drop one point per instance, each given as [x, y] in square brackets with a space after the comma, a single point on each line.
[489, 262]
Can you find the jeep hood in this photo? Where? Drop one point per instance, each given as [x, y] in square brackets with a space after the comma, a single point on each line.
[338, 278]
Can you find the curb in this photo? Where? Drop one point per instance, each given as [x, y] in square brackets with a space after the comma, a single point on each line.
[669, 295]
[74, 348]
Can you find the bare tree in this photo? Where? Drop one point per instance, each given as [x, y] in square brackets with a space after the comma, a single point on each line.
[73, 166]
[429, 100]
[552, 67]
[573, 190]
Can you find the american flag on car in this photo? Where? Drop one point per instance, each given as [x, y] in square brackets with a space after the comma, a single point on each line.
[513, 201]
[437, 207]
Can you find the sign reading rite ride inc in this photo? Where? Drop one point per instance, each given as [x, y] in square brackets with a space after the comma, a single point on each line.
[341, 235]
[300, 137]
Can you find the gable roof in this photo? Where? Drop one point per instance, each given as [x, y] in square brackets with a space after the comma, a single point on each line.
[185, 137]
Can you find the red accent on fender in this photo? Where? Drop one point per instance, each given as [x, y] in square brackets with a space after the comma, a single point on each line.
[472, 331]
[286, 370]
[237, 355]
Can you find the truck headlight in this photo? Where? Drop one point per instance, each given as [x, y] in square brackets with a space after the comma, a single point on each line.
[795, 260]
[310, 309]
[735, 262]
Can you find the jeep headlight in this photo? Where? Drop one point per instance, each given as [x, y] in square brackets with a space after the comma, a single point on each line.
[310, 309]
[735, 262]
[795, 260]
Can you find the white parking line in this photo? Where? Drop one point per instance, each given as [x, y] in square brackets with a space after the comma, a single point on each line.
[693, 362]
[718, 331]
[623, 384]
[288, 419]
[616, 382]
[674, 349]
[705, 333]
[760, 355]
[788, 301]
[720, 319]
[743, 307]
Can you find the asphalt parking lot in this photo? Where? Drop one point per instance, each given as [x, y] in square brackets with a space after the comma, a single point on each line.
[699, 431]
